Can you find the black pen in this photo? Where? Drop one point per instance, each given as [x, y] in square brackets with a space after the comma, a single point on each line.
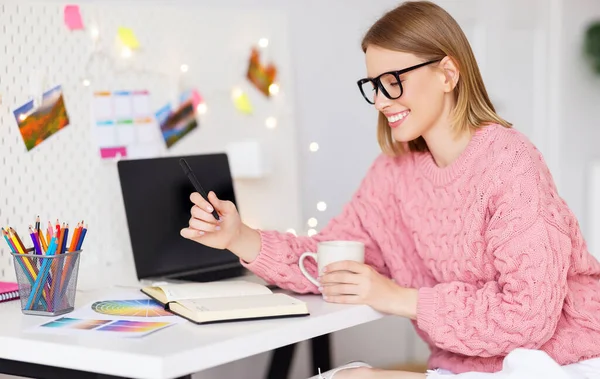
[190, 174]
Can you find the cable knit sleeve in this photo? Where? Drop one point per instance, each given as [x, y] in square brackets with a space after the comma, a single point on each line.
[277, 261]
[528, 237]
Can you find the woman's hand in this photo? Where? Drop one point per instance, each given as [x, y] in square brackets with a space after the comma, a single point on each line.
[350, 282]
[227, 233]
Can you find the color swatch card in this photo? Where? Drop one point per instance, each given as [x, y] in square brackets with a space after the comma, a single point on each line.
[123, 125]
[118, 328]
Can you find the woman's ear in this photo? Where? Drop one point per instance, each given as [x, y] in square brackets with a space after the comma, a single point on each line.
[451, 73]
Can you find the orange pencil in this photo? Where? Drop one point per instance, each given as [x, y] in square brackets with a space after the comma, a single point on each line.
[42, 240]
[75, 237]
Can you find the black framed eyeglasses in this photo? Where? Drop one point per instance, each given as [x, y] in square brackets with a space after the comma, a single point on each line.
[389, 83]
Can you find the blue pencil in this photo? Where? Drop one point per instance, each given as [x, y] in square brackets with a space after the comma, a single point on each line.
[83, 232]
[38, 287]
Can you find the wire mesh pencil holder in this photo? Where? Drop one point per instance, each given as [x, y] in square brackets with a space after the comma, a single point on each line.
[47, 283]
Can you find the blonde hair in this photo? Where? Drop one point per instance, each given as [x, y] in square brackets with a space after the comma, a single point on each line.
[429, 32]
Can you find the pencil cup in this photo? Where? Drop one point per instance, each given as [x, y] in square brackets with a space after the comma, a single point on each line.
[47, 283]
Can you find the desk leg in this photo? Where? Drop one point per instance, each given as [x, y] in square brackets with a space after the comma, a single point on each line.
[321, 354]
[281, 362]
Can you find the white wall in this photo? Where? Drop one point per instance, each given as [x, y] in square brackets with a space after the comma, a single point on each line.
[579, 101]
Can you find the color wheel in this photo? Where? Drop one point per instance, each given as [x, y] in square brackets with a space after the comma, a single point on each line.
[131, 308]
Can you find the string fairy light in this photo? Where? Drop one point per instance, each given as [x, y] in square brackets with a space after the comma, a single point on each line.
[313, 147]
[263, 42]
[321, 206]
[273, 89]
[311, 232]
[312, 222]
[271, 122]
[202, 108]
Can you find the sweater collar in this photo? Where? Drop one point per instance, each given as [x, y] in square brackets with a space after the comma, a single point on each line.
[445, 175]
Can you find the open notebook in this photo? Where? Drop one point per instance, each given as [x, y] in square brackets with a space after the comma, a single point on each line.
[225, 301]
[8, 291]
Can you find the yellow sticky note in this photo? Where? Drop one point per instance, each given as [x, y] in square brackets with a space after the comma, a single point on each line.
[128, 38]
[242, 103]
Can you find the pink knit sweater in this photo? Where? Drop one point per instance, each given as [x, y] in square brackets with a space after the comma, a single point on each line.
[496, 254]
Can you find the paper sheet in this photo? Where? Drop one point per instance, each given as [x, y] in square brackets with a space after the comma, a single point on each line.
[118, 317]
[72, 17]
[123, 125]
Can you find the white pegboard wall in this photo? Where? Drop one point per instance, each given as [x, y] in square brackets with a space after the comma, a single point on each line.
[64, 176]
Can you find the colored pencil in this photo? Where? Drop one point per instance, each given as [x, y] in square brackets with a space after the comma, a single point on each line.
[13, 248]
[75, 238]
[34, 238]
[61, 235]
[63, 245]
[83, 232]
[38, 287]
[50, 233]
[18, 241]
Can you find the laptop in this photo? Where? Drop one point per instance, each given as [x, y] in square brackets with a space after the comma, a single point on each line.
[156, 195]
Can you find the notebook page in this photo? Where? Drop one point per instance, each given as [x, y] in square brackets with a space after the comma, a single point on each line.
[212, 290]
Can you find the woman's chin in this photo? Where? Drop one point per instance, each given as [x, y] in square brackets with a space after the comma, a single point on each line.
[403, 135]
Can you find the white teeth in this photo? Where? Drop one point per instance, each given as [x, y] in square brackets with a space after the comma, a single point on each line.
[398, 116]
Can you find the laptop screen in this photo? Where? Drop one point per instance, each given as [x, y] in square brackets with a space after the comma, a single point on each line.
[156, 195]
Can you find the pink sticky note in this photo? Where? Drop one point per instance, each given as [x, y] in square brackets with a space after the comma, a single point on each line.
[73, 17]
[113, 152]
[196, 98]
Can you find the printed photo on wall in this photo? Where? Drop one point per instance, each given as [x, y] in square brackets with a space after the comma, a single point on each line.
[259, 75]
[177, 123]
[36, 124]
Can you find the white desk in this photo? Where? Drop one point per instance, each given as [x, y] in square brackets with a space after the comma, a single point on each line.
[176, 351]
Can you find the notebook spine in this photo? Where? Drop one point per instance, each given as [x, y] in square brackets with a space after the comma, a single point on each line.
[9, 296]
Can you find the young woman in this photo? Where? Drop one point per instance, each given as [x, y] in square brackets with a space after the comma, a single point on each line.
[464, 231]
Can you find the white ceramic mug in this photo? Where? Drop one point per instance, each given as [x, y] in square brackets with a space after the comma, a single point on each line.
[332, 251]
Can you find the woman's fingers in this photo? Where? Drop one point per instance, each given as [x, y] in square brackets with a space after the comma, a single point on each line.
[203, 215]
[203, 225]
[191, 233]
[201, 203]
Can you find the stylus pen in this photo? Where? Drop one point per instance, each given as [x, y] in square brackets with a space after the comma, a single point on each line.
[190, 174]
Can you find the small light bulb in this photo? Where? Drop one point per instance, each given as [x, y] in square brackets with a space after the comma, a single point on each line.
[313, 147]
[271, 122]
[311, 232]
[126, 52]
[312, 222]
[22, 117]
[274, 89]
[321, 206]
[202, 108]
[236, 92]
[184, 68]
[86, 83]
[291, 230]
[263, 42]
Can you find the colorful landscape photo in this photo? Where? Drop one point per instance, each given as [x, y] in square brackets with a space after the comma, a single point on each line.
[259, 75]
[177, 123]
[36, 124]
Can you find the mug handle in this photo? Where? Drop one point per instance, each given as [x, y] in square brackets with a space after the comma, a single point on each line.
[306, 274]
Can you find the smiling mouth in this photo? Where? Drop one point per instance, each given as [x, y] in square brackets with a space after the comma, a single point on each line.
[396, 119]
